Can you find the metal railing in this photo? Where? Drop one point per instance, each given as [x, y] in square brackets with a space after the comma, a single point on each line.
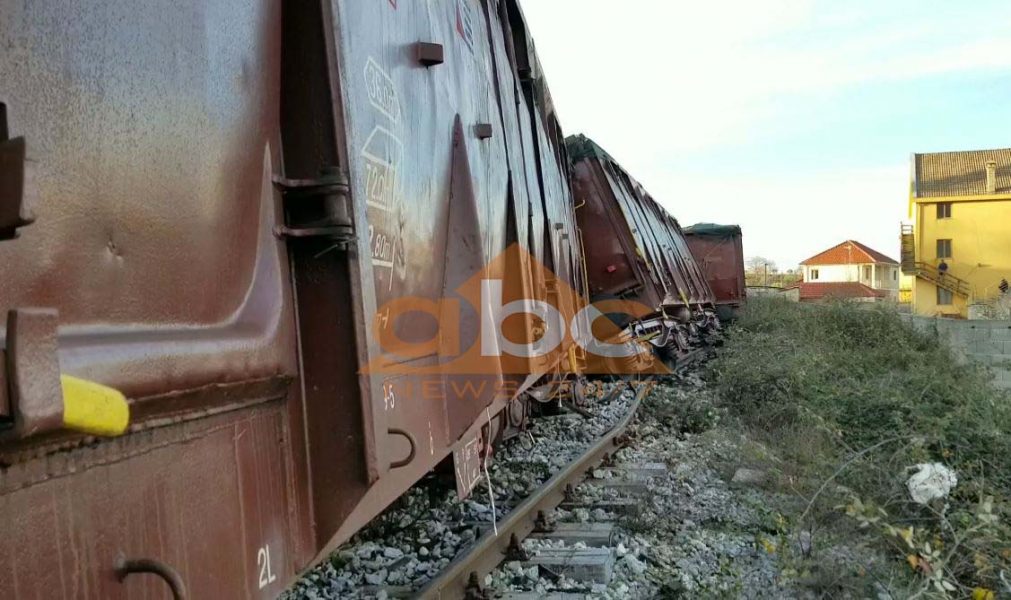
[942, 280]
[910, 266]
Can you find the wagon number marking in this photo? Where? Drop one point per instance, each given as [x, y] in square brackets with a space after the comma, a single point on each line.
[263, 562]
[389, 396]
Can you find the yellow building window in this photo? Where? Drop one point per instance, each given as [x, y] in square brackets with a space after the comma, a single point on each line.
[944, 297]
[943, 248]
[944, 210]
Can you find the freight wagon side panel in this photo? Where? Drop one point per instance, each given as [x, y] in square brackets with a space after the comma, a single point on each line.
[623, 256]
[428, 155]
[525, 72]
[719, 252]
[430, 205]
[513, 112]
[151, 134]
[171, 495]
[150, 151]
[655, 236]
[626, 197]
[666, 269]
[612, 263]
[701, 292]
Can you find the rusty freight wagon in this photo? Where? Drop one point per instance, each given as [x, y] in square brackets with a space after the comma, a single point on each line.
[718, 250]
[220, 216]
[636, 250]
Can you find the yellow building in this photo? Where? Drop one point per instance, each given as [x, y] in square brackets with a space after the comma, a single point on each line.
[906, 283]
[958, 249]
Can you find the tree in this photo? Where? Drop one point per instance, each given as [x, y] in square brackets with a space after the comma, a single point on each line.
[760, 265]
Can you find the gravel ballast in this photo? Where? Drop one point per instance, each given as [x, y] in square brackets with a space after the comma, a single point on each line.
[418, 536]
[706, 523]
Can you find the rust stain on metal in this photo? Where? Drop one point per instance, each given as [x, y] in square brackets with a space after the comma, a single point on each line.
[640, 250]
[159, 185]
[721, 256]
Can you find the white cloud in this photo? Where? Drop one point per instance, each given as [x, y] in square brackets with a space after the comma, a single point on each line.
[657, 82]
[678, 76]
[790, 219]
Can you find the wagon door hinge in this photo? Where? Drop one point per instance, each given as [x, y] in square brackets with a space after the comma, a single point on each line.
[13, 212]
[317, 207]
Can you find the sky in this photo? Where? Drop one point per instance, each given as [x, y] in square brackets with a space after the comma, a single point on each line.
[792, 118]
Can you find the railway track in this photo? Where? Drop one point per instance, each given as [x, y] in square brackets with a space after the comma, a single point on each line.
[389, 560]
[462, 578]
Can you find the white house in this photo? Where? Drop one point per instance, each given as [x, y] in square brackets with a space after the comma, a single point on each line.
[853, 262]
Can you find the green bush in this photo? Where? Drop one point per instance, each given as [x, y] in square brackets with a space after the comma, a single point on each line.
[857, 395]
[687, 413]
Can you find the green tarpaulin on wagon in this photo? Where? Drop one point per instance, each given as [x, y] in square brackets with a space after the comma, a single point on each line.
[713, 230]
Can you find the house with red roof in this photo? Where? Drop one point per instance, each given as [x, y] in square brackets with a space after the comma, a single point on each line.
[850, 270]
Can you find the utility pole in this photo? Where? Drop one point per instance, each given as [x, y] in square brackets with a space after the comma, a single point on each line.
[766, 274]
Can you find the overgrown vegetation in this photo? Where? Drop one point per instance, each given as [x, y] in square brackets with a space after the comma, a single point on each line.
[851, 398]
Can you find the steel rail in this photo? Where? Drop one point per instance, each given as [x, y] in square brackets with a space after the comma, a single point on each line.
[462, 577]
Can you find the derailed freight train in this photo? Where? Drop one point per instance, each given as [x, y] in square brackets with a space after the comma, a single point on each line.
[639, 253]
[231, 236]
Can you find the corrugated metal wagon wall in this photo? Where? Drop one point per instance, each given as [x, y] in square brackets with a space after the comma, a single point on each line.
[638, 249]
[231, 201]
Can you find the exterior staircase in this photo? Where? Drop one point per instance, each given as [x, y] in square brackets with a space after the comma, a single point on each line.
[908, 250]
[926, 271]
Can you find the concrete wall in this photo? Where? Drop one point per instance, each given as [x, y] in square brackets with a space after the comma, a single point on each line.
[983, 342]
[756, 291]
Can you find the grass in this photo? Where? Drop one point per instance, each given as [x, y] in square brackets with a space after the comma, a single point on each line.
[850, 397]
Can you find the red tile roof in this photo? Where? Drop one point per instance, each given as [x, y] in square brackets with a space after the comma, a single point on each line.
[849, 252]
[817, 290]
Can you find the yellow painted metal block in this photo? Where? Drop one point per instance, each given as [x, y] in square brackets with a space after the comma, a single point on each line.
[93, 408]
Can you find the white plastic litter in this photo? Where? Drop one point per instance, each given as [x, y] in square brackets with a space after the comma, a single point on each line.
[931, 481]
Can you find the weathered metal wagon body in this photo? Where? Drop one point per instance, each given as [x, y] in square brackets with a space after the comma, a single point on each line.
[240, 210]
[720, 253]
[635, 250]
